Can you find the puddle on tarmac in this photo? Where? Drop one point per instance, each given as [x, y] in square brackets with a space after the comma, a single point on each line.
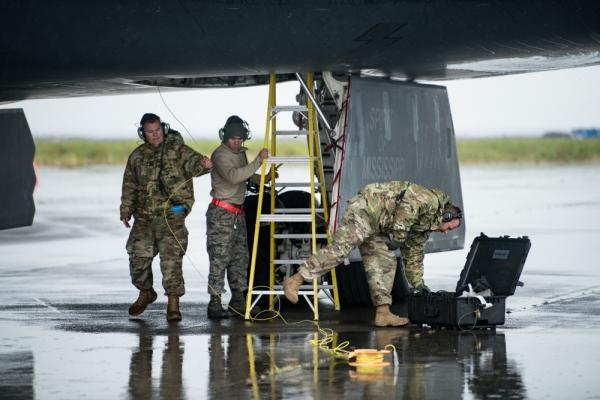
[55, 364]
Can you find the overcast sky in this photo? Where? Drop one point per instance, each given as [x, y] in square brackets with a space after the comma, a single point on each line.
[526, 104]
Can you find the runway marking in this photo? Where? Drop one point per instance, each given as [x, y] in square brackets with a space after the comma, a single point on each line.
[54, 309]
[570, 296]
[559, 298]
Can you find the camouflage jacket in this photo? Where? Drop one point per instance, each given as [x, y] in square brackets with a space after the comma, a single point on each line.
[159, 177]
[408, 218]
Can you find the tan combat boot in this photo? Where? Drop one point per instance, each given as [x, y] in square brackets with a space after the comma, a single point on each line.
[291, 286]
[173, 313]
[145, 298]
[384, 317]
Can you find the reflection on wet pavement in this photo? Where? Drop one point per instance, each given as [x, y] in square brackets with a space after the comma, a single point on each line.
[99, 354]
[170, 385]
[271, 362]
[431, 365]
[16, 375]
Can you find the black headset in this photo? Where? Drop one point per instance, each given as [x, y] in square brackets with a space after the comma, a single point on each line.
[448, 216]
[151, 117]
[234, 119]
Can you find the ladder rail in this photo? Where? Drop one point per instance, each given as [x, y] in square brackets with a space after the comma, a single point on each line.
[311, 172]
[261, 193]
[273, 137]
[325, 207]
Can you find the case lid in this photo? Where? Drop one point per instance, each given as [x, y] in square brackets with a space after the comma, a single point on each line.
[496, 262]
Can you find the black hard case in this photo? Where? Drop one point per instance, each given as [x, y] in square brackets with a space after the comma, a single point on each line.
[500, 260]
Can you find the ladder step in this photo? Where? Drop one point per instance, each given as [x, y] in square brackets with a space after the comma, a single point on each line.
[287, 262]
[299, 236]
[288, 160]
[295, 210]
[277, 289]
[294, 184]
[291, 133]
[307, 286]
[277, 109]
[286, 218]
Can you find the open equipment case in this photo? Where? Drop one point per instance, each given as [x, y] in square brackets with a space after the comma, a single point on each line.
[491, 274]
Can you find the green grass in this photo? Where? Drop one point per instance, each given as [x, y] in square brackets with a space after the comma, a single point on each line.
[528, 150]
[80, 152]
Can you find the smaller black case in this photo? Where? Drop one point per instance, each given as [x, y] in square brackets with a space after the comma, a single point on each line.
[500, 261]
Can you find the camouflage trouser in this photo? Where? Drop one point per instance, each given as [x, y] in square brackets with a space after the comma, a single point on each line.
[358, 230]
[380, 266]
[151, 237]
[227, 246]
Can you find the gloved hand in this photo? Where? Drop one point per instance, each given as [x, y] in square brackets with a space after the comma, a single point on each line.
[423, 289]
[392, 244]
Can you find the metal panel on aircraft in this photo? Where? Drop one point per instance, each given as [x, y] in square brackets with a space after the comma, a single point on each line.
[401, 131]
[17, 176]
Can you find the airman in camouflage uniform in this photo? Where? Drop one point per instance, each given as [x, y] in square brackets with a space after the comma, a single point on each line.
[379, 219]
[226, 237]
[158, 192]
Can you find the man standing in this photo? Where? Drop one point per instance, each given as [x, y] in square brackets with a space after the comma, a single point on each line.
[379, 219]
[158, 192]
[225, 221]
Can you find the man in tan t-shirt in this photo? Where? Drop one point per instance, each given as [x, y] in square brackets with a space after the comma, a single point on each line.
[225, 221]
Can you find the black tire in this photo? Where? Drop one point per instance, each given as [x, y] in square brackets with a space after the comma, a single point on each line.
[354, 289]
[261, 273]
[298, 199]
[401, 288]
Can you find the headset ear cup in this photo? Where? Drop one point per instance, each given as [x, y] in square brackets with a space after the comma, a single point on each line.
[248, 133]
[166, 128]
[447, 216]
[140, 132]
[222, 134]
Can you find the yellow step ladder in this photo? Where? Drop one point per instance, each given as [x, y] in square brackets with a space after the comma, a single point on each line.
[279, 215]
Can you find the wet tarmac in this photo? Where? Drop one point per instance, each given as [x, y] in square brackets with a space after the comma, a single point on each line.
[65, 333]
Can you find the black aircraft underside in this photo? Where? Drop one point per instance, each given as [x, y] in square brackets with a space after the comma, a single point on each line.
[78, 48]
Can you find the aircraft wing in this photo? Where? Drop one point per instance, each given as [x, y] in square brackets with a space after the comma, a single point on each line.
[79, 48]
